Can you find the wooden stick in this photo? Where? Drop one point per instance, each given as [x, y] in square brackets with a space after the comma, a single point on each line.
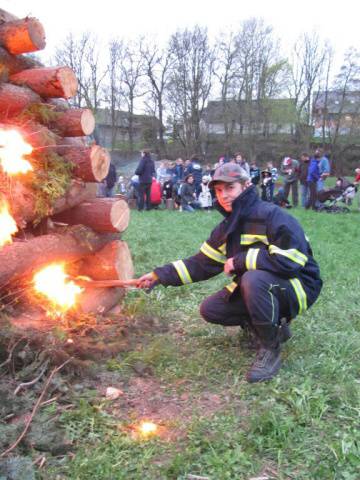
[32, 382]
[88, 282]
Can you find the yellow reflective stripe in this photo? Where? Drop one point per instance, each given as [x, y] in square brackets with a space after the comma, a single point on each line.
[182, 271]
[248, 239]
[222, 248]
[231, 287]
[300, 294]
[291, 253]
[210, 252]
[251, 257]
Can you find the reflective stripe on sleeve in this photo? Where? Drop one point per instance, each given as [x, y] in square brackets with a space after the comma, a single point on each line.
[293, 254]
[231, 287]
[182, 271]
[300, 294]
[249, 239]
[251, 257]
[222, 248]
[210, 252]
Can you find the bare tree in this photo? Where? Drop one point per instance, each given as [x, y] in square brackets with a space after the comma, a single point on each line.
[113, 90]
[131, 71]
[226, 72]
[190, 84]
[308, 63]
[261, 74]
[345, 122]
[158, 64]
[82, 55]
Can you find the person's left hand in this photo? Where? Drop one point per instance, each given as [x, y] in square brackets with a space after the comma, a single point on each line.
[148, 281]
[229, 266]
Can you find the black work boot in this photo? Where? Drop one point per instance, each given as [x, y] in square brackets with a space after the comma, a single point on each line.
[266, 365]
[284, 331]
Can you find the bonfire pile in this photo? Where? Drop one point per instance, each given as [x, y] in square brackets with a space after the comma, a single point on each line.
[52, 227]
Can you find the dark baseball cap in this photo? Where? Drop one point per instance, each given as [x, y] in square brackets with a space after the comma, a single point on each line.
[229, 173]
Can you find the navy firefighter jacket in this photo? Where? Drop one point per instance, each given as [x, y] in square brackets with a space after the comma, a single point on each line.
[259, 236]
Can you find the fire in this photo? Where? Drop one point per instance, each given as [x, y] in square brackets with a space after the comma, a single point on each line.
[12, 151]
[52, 281]
[7, 225]
[147, 429]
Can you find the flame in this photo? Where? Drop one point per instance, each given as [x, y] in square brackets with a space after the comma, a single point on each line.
[12, 151]
[52, 281]
[7, 225]
[148, 428]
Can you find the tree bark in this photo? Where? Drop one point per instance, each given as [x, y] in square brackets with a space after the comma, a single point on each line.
[67, 143]
[6, 16]
[14, 99]
[49, 82]
[100, 214]
[39, 136]
[99, 300]
[91, 164]
[22, 36]
[75, 122]
[22, 258]
[113, 262]
[10, 64]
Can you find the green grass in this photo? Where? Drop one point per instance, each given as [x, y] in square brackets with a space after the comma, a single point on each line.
[302, 425]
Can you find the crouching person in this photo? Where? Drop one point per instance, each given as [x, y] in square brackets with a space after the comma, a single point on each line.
[275, 276]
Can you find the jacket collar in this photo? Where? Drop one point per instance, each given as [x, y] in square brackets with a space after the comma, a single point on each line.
[242, 207]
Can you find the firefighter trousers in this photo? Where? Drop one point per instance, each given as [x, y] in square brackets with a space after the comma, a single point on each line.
[259, 303]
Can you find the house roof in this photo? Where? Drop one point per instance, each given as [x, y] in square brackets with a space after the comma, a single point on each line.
[335, 102]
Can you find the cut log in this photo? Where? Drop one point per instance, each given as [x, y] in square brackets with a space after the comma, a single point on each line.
[77, 193]
[50, 82]
[75, 122]
[10, 64]
[6, 16]
[22, 36]
[22, 199]
[59, 104]
[91, 164]
[67, 143]
[100, 214]
[39, 136]
[22, 258]
[113, 262]
[14, 99]
[99, 300]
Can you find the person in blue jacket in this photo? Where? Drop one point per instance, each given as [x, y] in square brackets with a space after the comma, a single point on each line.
[313, 177]
[275, 276]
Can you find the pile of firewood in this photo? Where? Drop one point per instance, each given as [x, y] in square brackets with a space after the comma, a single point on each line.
[58, 217]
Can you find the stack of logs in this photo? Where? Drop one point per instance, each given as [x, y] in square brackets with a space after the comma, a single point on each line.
[80, 229]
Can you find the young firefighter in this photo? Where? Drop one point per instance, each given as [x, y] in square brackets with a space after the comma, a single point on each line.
[265, 249]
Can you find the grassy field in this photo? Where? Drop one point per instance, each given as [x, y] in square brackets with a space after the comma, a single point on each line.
[302, 425]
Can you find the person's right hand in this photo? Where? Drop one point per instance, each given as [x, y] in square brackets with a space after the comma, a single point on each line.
[148, 281]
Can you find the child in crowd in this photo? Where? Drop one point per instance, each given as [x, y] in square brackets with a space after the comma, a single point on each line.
[205, 198]
[266, 185]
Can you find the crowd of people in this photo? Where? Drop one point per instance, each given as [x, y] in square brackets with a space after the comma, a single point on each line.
[185, 184]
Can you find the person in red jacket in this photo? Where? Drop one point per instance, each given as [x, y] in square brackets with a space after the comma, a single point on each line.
[155, 193]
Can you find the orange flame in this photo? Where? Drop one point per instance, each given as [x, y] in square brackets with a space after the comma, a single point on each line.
[12, 151]
[147, 429]
[52, 281]
[7, 225]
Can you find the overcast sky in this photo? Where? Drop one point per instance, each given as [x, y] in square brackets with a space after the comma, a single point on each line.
[336, 21]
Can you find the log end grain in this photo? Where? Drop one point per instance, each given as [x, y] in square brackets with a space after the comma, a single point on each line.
[68, 80]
